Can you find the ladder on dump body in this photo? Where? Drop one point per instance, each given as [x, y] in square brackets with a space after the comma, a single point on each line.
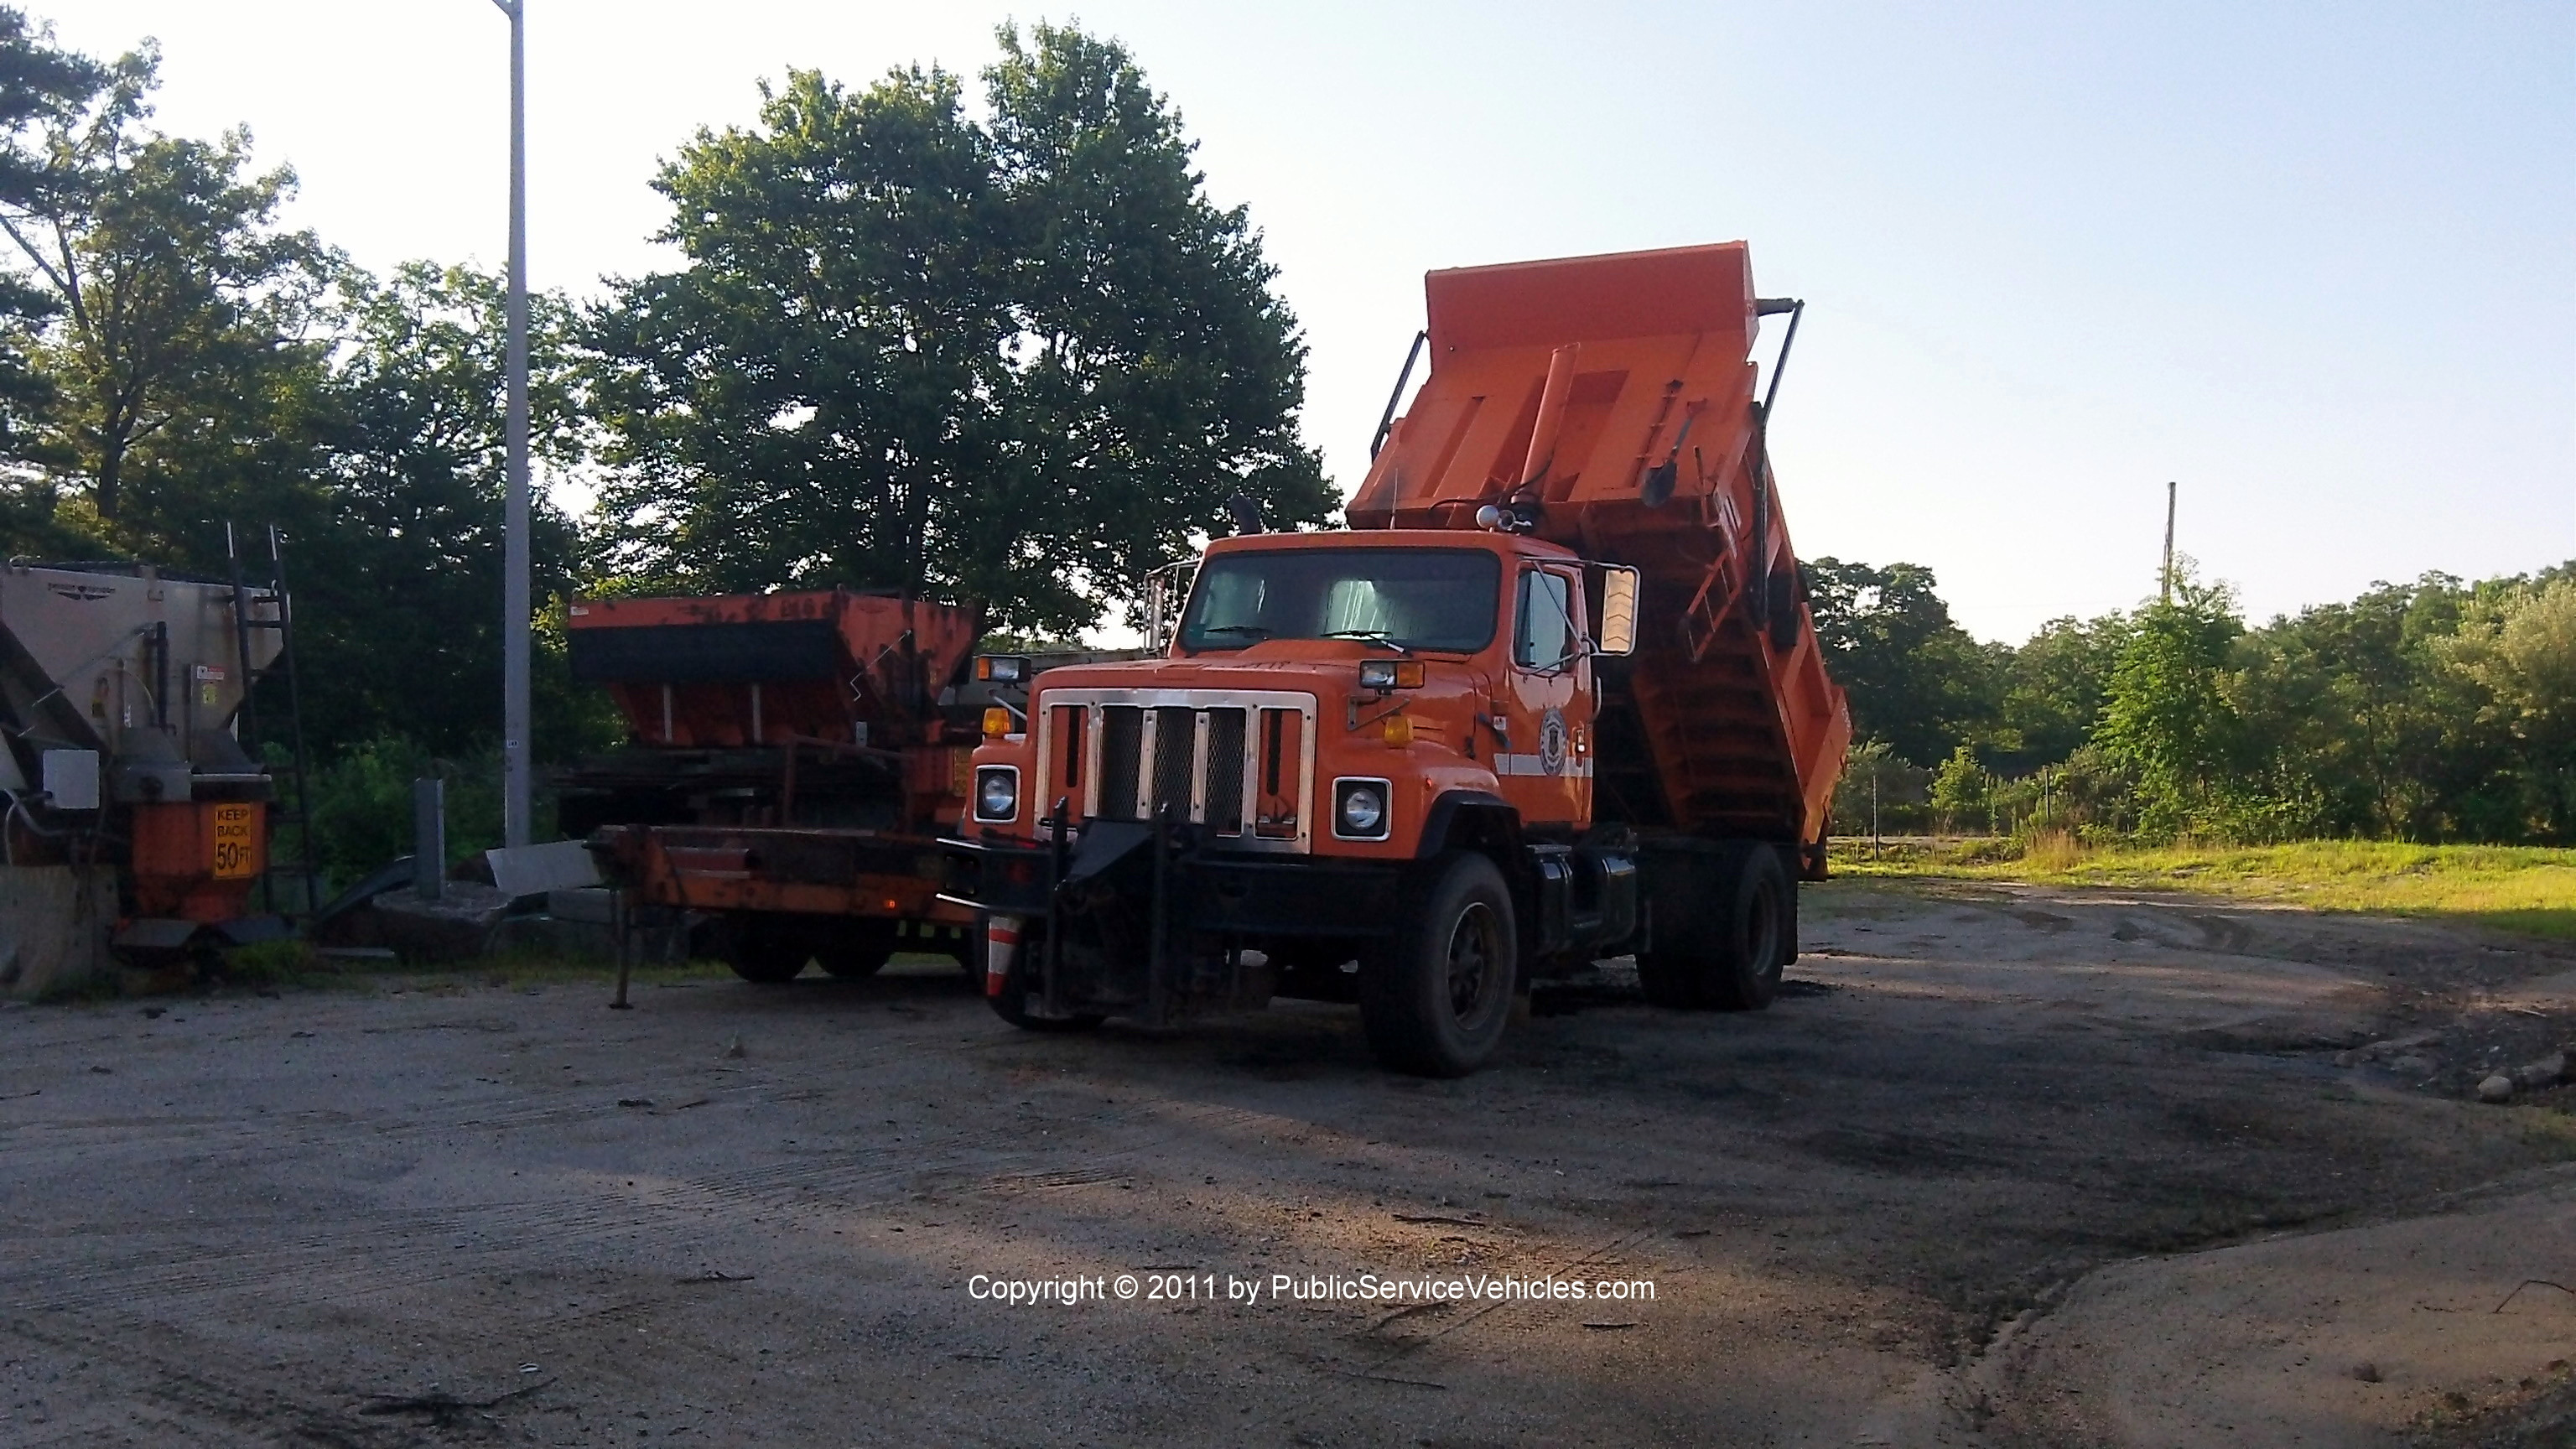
[300, 869]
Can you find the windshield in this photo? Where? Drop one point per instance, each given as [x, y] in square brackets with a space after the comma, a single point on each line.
[1410, 598]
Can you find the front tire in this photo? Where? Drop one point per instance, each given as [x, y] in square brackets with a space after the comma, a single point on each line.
[1436, 997]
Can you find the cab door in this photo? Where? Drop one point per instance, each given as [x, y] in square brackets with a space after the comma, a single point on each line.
[1547, 770]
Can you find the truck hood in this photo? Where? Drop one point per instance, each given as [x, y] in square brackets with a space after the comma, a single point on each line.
[1326, 668]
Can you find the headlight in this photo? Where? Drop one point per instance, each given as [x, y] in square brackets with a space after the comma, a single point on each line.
[1392, 674]
[997, 793]
[1359, 809]
[1002, 668]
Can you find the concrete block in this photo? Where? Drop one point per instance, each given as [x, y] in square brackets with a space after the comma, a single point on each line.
[457, 926]
[53, 927]
[532, 870]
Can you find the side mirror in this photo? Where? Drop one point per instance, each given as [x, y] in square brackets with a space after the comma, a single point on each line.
[1167, 589]
[1618, 612]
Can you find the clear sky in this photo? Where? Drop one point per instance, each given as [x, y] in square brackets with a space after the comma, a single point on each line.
[2317, 262]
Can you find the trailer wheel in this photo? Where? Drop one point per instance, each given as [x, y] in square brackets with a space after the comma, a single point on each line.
[1744, 970]
[856, 948]
[1012, 1005]
[759, 949]
[1435, 997]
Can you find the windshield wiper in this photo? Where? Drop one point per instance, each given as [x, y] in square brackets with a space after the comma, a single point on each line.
[1374, 636]
[1253, 629]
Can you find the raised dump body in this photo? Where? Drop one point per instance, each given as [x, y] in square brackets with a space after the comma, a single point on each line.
[1553, 696]
[1609, 404]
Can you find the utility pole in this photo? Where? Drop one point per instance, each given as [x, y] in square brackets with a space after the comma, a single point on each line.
[515, 794]
[2165, 586]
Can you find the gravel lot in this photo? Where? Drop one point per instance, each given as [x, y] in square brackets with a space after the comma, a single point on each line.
[2005, 1166]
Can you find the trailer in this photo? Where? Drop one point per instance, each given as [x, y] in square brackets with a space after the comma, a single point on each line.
[1554, 695]
[793, 762]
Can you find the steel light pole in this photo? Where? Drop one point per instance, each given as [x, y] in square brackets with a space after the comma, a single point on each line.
[515, 794]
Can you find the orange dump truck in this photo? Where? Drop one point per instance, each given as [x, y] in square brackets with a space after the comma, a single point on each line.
[1553, 696]
[792, 762]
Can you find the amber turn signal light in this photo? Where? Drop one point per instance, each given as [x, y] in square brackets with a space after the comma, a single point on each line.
[1397, 730]
[997, 722]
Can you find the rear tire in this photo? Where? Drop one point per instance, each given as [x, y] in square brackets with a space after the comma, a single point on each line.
[855, 948]
[760, 950]
[1013, 1004]
[1744, 972]
[1722, 933]
[1436, 996]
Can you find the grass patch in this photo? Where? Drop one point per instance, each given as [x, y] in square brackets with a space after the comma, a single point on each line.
[275, 964]
[2527, 890]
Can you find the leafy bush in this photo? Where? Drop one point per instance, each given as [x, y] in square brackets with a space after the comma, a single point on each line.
[362, 808]
[1962, 793]
[1880, 789]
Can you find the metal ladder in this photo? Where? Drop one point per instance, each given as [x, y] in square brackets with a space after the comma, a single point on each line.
[300, 869]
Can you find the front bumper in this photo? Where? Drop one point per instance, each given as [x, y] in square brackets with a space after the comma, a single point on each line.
[1198, 890]
[1147, 921]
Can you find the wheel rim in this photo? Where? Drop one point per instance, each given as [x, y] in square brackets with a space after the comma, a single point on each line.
[1473, 964]
[1762, 933]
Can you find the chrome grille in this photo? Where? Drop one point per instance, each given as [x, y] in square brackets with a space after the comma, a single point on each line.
[1122, 747]
[1175, 755]
[1225, 753]
[1185, 752]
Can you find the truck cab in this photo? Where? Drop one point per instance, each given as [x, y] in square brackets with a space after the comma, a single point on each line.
[1324, 692]
[1336, 713]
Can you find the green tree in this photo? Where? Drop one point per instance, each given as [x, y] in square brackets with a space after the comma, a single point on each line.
[1878, 787]
[2052, 689]
[807, 399]
[2525, 662]
[399, 588]
[2167, 716]
[184, 311]
[1916, 679]
[1017, 362]
[1160, 374]
[1960, 789]
[2352, 699]
[39, 83]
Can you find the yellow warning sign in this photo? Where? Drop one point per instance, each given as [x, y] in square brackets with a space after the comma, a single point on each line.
[236, 841]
